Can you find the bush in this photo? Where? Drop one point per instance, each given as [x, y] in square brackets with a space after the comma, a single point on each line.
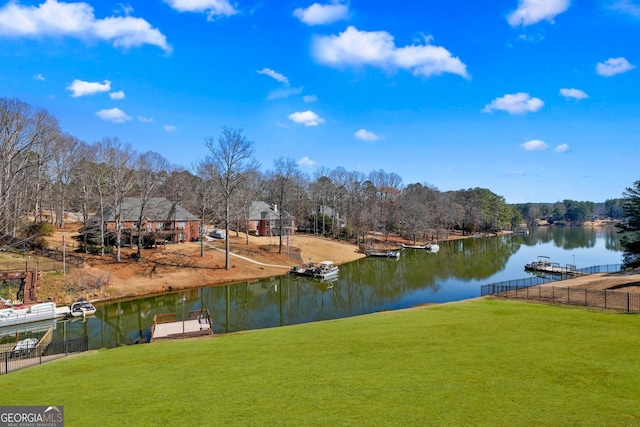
[96, 249]
[40, 243]
[39, 229]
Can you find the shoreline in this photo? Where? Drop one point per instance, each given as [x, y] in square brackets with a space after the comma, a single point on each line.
[178, 267]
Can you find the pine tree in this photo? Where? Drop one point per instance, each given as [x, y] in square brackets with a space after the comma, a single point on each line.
[631, 226]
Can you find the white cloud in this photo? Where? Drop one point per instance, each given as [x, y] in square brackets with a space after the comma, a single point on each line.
[319, 14]
[39, 77]
[377, 48]
[306, 161]
[531, 37]
[517, 103]
[534, 145]
[307, 118]
[309, 98]
[53, 18]
[145, 119]
[366, 135]
[117, 95]
[613, 66]
[274, 75]
[284, 93]
[626, 6]
[82, 88]
[114, 115]
[169, 128]
[576, 94]
[213, 8]
[562, 148]
[533, 11]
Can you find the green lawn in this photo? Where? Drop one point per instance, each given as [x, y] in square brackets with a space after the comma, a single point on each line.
[480, 362]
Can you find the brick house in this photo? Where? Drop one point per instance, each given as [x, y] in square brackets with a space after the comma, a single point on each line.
[163, 221]
[264, 220]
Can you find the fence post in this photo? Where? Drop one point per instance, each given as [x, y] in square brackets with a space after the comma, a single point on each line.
[553, 294]
[628, 302]
[586, 302]
[568, 296]
[605, 299]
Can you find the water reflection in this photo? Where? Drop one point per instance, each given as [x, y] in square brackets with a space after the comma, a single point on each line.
[368, 285]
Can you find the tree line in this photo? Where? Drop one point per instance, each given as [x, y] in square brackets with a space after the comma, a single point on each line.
[46, 173]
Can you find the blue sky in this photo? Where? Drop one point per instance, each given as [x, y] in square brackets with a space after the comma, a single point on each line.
[536, 100]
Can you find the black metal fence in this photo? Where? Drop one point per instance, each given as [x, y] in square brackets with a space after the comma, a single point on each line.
[14, 360]
[524, 289]
[52, 261]
[70, 260]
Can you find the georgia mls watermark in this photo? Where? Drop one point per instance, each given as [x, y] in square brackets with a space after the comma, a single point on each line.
[31, 416]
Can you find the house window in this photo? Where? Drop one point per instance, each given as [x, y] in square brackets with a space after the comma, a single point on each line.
[159, 225]
[181, 225]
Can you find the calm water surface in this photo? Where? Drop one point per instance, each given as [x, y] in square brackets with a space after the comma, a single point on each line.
[368, 285]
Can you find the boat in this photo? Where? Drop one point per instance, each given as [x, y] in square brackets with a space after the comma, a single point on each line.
[414, 246]
[37, 312]
[433, 247]
[383, 254]
[82, 308]
[325, 270]
[24, 347]
[322, 270]
[303, 270]
[544, 264]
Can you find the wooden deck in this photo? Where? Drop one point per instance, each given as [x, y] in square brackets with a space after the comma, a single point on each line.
[165, 326]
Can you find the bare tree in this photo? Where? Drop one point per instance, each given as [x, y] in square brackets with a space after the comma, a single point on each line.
[47, 138]
[64, 157]
[320, 189]
[232, 154]
[150, 170]
[247, 195]
[388, 187]
[83, 189]
[205, 194]
[20, 133]
[118, 159]
[283, 183]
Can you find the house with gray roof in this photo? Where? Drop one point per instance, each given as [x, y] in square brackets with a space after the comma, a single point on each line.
[264, 220]
[163, 220]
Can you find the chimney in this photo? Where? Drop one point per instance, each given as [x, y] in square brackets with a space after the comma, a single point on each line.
[275, 208]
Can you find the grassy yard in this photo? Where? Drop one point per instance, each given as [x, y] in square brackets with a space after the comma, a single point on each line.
[480, 362]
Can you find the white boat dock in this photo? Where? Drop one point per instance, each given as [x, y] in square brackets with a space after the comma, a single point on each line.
[165, 326]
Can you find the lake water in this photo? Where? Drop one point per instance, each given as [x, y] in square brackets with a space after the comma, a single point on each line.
[368, 285]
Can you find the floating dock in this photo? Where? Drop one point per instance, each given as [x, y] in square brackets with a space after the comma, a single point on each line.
[165, 326]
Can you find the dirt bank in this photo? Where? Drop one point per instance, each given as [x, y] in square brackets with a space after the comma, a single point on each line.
[181, 266]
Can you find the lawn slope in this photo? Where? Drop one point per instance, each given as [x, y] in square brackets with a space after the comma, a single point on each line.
[480, 362]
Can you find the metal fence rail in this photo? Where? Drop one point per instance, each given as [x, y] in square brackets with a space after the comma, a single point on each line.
[524, 289]
[613, 300]
[15, 360]
[52, 262]
[494, 288]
